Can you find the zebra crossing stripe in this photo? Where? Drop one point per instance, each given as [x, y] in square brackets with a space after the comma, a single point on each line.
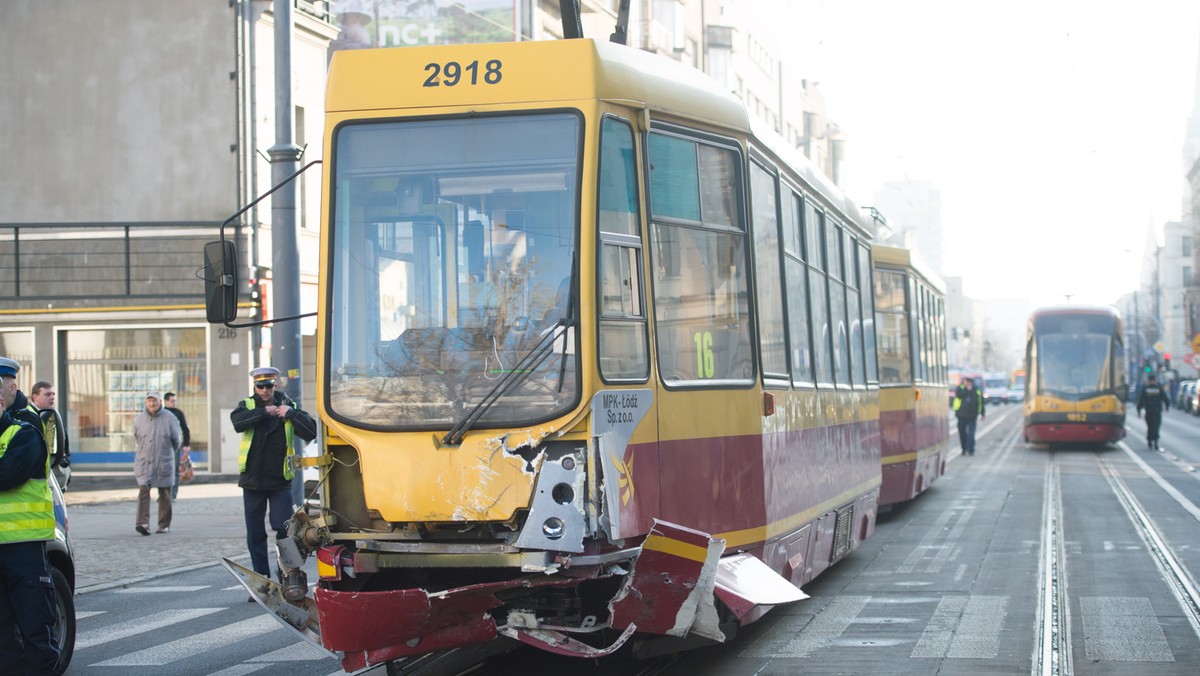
[196, 644]
[1122, 629]
[162, 590]
[826, 626]
[301, 651]
[115, 632]
[964, 627]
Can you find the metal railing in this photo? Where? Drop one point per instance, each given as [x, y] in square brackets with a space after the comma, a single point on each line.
[84, 264]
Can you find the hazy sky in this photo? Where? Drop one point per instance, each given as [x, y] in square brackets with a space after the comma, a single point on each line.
[1054, 130]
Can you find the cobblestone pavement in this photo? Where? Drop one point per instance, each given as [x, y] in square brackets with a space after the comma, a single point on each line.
[207, 524]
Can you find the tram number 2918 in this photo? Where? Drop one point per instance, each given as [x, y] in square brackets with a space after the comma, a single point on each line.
[452, 73]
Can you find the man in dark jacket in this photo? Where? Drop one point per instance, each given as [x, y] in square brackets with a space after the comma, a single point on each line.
[1154, 400]
[27, 643]
[43, 398]
[268, 421]
[169, 404]
[968, 407]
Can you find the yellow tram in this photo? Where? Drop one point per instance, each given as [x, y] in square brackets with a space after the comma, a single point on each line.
[913, 418]
[1075, 387]
[596, 357]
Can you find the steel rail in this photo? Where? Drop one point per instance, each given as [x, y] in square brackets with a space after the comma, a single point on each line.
[1174, 573]
[1052, 649]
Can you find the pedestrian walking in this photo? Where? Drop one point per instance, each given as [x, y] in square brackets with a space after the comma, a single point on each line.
[185, 451]
[968, 409]
[1154, 400]
[158, 439]
[269, 422]
[27, 644]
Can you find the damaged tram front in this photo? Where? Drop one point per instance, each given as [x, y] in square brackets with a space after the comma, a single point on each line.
[511, 446]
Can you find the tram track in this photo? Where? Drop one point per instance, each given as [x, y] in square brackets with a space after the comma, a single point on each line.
[1183, 587]
[1052, 647]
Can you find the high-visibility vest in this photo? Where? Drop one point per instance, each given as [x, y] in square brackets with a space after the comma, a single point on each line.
[248, 436]
[27, 511]
[49, 434]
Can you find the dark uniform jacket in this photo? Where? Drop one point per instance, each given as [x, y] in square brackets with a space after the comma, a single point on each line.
[968, 405]
[1153, 399]
[268, 447]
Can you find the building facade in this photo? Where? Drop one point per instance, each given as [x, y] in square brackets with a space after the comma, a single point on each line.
[138, 129]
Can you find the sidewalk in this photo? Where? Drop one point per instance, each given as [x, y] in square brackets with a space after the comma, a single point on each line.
[207, 524]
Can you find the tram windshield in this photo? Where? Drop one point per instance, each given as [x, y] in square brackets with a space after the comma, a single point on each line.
[1075, 356]
[452, 244]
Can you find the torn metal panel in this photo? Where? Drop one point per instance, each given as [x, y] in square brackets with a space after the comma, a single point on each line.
[556, 519]
[670, 591]
[561, 644]
[615, 416]
[300, 618]
[745, 584]
[404, 621]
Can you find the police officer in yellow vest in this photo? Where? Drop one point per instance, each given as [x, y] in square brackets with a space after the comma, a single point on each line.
[26, 524]
[269, 422]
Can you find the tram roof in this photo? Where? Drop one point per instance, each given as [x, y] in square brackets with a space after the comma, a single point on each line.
[541, 71]
[547, 71]
[907, 258]
[1108, 310]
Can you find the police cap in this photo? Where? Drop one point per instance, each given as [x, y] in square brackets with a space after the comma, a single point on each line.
[264, 375]
[9, 367]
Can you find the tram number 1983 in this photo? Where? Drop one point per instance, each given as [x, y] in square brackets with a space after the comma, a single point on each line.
[453, 73]
[1077, 417]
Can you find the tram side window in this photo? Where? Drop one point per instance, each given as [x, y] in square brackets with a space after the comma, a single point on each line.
[891, 320]
[854, 310]
[837, 302]
[796, 278]
[914, 322]
[624, 354]
[771, 335]
[814, 226]
[699, 262]
[868, 294]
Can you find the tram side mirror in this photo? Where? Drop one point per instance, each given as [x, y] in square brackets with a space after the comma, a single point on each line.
[220, 281]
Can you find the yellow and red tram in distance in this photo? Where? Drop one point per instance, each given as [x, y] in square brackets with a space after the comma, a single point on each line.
[1075, 388]
[913, 418]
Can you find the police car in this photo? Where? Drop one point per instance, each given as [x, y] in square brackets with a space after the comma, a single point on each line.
[62, 573]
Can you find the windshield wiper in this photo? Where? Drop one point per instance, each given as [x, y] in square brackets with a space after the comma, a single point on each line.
[517, 375]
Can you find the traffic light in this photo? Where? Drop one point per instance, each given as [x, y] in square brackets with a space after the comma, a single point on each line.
[1147, 366]
[1166, 361]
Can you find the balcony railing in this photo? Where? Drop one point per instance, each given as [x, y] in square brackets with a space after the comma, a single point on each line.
[88, 264]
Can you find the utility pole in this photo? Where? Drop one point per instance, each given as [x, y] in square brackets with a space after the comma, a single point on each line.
[285, 255]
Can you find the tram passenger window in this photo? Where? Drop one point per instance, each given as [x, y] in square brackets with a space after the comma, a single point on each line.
[790, 209]
[854, 309]
[798, 324]
[822, 330]
[841, 339]
[769, 287]
[895, 365]
[623, 347]
[822, 340]
[868, 295]
[701, 284]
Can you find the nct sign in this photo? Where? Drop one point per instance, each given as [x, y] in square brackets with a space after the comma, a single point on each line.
[411, 23]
